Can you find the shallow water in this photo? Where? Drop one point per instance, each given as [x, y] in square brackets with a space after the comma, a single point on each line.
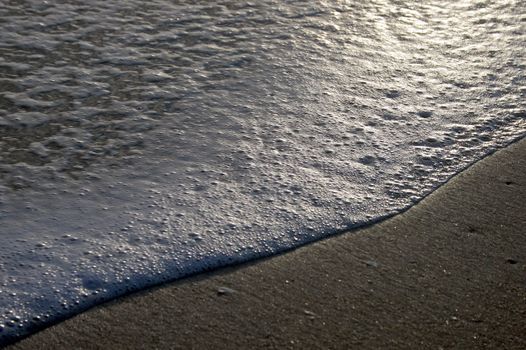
[144, 141]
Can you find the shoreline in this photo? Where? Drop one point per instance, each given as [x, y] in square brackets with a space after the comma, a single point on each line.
[448, 272]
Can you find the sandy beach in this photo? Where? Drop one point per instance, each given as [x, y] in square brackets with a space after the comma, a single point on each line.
[142, 143]
[450, 273]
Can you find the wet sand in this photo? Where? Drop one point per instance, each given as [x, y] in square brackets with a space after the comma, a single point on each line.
[448, 273]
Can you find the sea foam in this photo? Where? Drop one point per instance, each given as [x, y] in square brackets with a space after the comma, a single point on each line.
[144, 141]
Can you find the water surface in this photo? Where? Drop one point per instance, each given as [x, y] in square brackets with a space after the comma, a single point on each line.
[144, 141]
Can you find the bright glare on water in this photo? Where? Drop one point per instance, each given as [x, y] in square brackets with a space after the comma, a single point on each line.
[141, 141]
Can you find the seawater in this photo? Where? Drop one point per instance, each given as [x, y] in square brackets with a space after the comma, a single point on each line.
[142, 141]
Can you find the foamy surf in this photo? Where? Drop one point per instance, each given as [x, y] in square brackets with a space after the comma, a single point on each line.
[142, 142]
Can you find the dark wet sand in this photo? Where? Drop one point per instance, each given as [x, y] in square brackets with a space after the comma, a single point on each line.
[448, 273]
